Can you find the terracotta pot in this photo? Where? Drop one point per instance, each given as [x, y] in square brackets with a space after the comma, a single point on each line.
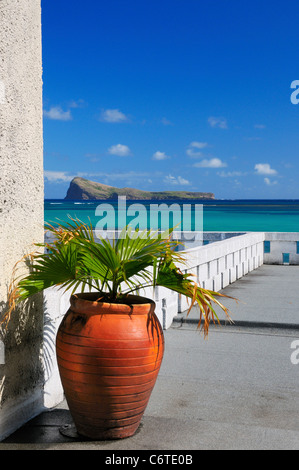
[109, 356]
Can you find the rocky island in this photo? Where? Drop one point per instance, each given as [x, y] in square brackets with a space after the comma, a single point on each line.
[83, 189]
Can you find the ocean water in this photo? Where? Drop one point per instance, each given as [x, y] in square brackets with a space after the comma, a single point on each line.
[217, 215]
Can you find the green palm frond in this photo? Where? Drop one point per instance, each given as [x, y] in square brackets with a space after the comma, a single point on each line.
[114, 268]
[59, 268]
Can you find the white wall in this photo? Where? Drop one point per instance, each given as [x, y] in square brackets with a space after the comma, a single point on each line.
[282, 243]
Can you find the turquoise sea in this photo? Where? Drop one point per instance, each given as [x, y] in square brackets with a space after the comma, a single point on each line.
[217, 215]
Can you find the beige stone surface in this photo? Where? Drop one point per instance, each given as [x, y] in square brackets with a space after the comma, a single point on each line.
[21, 198]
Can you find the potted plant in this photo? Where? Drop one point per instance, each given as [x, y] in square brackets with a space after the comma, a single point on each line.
[110, 343]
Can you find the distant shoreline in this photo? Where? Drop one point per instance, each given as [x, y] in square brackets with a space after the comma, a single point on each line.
[84, 189]
[212, 201]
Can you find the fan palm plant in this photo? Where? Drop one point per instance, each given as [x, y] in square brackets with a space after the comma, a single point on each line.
[75, 261]
[110, 343]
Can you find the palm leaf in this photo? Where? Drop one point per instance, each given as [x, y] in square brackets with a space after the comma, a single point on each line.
[172, 278]
[60, 268]
[137, 260]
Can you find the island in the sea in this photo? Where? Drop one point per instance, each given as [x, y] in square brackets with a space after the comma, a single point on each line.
[83, 189]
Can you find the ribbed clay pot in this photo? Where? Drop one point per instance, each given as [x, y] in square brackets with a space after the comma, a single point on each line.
[109, 356]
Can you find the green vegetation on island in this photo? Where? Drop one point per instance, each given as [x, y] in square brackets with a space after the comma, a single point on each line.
[83, 189]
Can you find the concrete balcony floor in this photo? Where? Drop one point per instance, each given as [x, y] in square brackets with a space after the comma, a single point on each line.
[237, 390]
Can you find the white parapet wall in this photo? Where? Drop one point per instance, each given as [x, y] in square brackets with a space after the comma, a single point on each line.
[214, 266]
[281, 248]
[219, 264]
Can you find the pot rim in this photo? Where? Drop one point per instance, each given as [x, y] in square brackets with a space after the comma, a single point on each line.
[86, 303]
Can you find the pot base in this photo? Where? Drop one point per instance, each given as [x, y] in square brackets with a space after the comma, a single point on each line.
[70, 431]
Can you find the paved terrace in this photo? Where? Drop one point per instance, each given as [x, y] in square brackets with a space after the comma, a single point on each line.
[237, 390]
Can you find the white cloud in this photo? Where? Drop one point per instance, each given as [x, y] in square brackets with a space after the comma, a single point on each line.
[113, 115]
[160, 156]
[194, 147]
[264, 169]
[106, 178]
[199, 145]
[77, 104]
[212, 163]
[221, 123]
[58, 176]
[166, 122]
[131, 177]
[119, 150]
[57, 114]
[260, 126]
[177, 180]
[268, 182]
[93, 157]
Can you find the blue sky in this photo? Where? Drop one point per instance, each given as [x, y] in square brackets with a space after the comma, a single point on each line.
[172, 95]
